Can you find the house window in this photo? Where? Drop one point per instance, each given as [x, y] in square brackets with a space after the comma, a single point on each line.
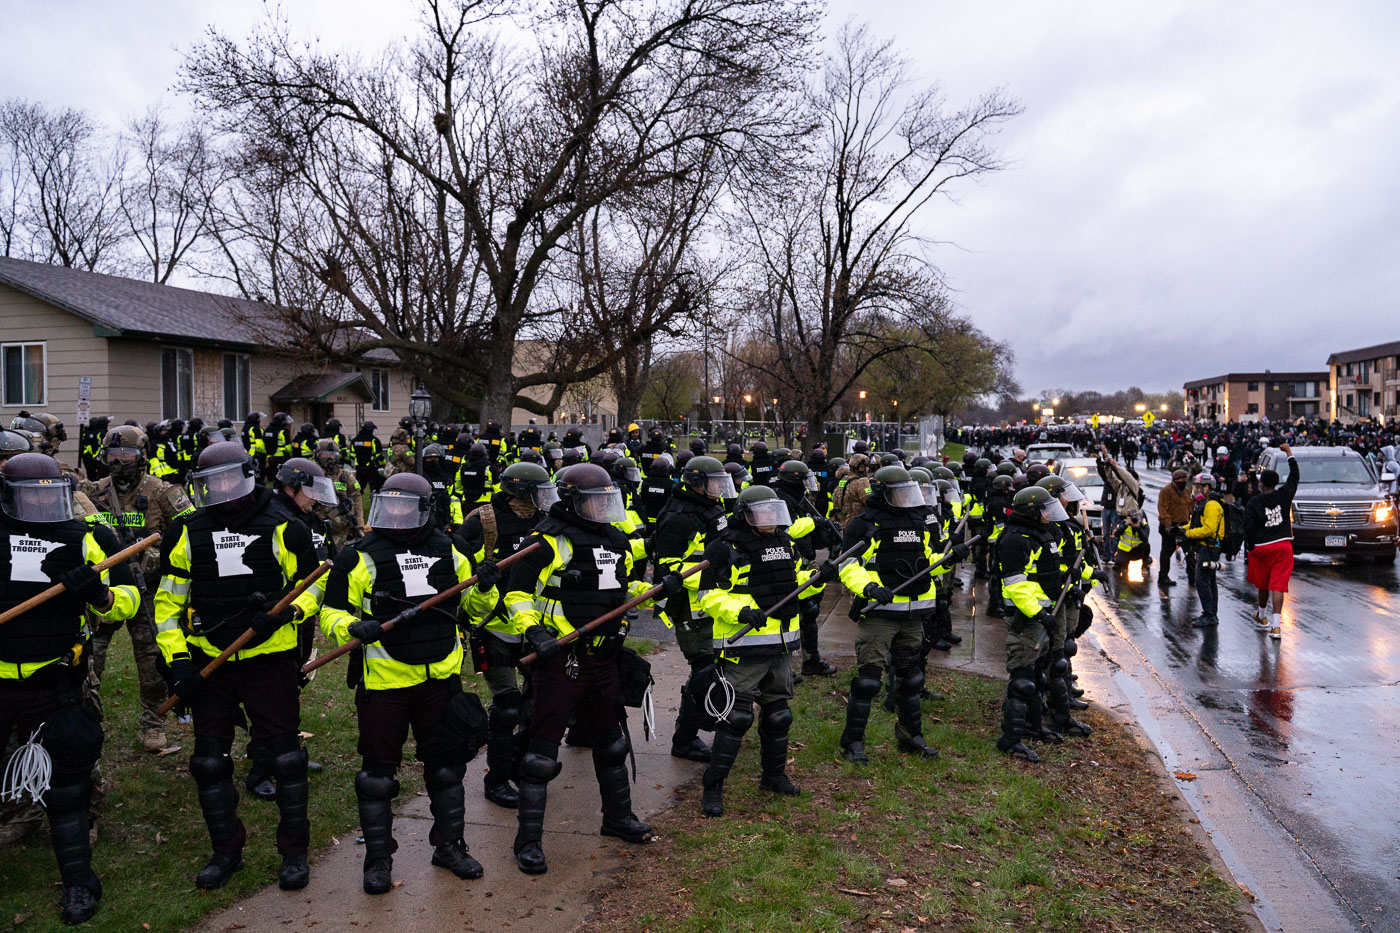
[1377, 400]
[1252, 408]
[379, 389]
[176, 382]
[25, 371]
[1349, 400]
[238, 389]
[1254, 387]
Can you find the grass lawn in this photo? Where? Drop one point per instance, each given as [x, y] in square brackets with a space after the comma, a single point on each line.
[152, 839]
[954, 451]
[1087, 841]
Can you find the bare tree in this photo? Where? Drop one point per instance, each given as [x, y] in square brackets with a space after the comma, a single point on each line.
[843, 279]
[62, 195]
[166, 193]
[438, 181]
[672, 386]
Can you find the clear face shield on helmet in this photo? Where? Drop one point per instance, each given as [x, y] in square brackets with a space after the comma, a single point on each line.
[544, 495]
[38, 500]
[227, 482]
[1054, 511]
[930, 494]
[632, 474]
[767, 514]
[904, 495]
[811, 483]
[720, 486]
[602, 505]
[397, 510]
[322, 490]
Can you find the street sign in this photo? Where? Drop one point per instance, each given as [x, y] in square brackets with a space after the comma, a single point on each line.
[1148, 418]
[84, 400]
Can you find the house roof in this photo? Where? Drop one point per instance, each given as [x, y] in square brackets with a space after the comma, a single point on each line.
[1365, 353]
[128, 308]
[1257, 377]
[121, 307]
[316, 387]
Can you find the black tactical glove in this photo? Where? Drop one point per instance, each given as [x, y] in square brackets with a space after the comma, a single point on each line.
[187, 682]
[1045, 620]
[671, 585]
[828, 571]
[878, 594]
[86, 583]
[367, 631]
[265, 623]
[958, 552]
[749, 616]
[487, 575]
[544, 644]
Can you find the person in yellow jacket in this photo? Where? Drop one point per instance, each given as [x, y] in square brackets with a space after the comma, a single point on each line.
[222, 569]
[582, 571]
[898, 545]
[42, 542]
[409, 675]
[760, 566]
[1205, 532]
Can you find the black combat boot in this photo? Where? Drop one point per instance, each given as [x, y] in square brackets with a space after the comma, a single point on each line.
[67, 807]
[911, 716]
[1014, 728]
[294, 826]
[685, 741]
[773, 749]
[538, 767]
[500, 755]
[865, 685]
[212, 769]
[376, 793]
[447, 801]
[722, 754]
[610, 767]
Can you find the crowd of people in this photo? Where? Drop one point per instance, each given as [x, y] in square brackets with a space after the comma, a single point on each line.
[548, 547]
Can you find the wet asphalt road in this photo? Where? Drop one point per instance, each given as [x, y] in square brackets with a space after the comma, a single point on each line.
[1311, 723]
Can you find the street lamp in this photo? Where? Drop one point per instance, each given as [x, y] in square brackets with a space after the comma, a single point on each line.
[1164, 406]
[420, 406]
[744, 416]
[1139, 407]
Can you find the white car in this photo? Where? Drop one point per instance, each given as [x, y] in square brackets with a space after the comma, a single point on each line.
[1047, 452]
[1084, 473]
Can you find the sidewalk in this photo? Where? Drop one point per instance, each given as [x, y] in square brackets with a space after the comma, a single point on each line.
[431, 899]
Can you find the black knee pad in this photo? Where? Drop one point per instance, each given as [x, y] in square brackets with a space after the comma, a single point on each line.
[507, 699]
[611, 749]
[290, 765]
[375, 786]
[866, 683]
[541, 761]
[777, 717]
[910, 680]
[502, 720]
[741, 716]
[1059, 668]
[211, 762]
[1071, 647]
[1021, 688]
[68, 798]
[441, 775]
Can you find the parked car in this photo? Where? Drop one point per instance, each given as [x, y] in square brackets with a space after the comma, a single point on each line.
[1050, 451]
[1083, 472]
[1340, 506]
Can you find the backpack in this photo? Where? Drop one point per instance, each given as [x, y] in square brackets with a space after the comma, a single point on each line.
[1234, 530]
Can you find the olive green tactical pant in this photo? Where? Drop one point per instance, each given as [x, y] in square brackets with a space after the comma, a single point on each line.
[142, 629]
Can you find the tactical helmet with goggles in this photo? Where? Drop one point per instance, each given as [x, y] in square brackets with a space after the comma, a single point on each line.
[530, 481]
[34, 490]
[707, 476]
[402, 504]
[763, 509]
[224, 474]
[896, 487]
[1036, 503]
[589, 492]
[307, 475]
[797, 475]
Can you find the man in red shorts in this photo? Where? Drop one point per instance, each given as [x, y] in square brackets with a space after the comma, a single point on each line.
[1269, 532]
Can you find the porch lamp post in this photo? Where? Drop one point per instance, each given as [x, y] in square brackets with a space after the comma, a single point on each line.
[420, 406]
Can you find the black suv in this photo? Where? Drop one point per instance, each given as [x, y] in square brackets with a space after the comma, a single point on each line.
[1339, 507]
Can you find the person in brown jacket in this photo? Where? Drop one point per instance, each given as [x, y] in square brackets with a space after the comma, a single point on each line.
[1174, 506]
[851, 490]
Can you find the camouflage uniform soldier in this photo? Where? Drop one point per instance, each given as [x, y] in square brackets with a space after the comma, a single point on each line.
[400, 452]
[345, 520]
[852, 489]
[136, 504]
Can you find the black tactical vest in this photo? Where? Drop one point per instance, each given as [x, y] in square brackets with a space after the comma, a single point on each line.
[654, 494]
[228, 567]
[899, 543]
[772, 567]
[32, 558]
[511, 529]
[595, 579]
[430, 636]
[473, 478]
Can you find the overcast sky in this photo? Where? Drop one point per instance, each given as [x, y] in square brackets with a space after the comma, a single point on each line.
[1196, 187]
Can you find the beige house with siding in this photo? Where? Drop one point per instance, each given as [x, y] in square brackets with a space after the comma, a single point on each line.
[152, 352]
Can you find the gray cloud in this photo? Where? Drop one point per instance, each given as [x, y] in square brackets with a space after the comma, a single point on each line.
[1196, 186]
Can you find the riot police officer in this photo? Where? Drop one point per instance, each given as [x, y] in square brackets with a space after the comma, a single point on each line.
[222, 568]
[810, 530]
[579, 574]
[760, 566]
[690, 522]
[136, 504]
[409, 675]
[491, 533]
[42, 543]
[899, 544]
